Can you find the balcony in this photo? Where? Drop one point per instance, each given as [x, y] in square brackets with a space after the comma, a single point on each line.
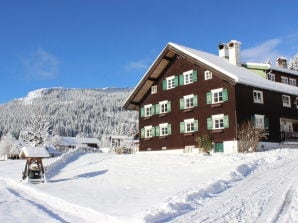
[289, 136]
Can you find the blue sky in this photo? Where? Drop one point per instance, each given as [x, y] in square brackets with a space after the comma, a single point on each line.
[111, 43]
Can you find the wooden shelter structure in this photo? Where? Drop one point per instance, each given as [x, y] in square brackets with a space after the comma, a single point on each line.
[34, 170]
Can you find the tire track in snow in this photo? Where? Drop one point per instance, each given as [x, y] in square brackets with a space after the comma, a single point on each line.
[37, 205]
[59, 208]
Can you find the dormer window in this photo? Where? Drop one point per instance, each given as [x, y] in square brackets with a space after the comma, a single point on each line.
[284, 80]
[271, 77]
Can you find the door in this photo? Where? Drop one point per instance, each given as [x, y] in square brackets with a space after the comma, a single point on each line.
[219, 147]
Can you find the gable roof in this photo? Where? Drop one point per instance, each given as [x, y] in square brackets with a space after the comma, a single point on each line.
[235, 73]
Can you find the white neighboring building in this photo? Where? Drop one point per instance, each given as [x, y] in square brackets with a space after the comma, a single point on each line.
[120, 141]
[63, 144]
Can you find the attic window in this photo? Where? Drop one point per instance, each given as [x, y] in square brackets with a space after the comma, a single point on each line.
[208, 75]
[154, 89]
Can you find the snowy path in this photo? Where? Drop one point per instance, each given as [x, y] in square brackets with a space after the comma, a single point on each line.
[261, 197]
[41, 207]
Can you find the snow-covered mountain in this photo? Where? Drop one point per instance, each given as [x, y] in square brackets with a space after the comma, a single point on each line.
[86, 112]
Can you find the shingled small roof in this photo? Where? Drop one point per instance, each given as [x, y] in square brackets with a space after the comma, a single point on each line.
[235, 74]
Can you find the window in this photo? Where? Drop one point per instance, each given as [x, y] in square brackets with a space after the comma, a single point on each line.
[208, 75]
[189, 125]
[292, 81]
[164, 129]
[164, 107]
[170, 82]
[258, 96]
[286, 101]
[220, 121]
[188, 77]
[147, 132]
[296, 102]
[259, 121]
[217, 96]
[188, 101]
[271, 77]
[154, 89]
[284, 80]
[147, 110]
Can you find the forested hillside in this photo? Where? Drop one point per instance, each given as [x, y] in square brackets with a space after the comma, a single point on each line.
[71, 112]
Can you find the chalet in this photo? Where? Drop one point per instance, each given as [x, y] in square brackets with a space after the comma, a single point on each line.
[188, 93]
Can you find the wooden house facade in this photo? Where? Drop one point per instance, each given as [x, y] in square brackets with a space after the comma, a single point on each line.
[188, 93]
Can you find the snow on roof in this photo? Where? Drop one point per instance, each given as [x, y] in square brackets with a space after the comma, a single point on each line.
[238, 74]
[73, 141]
[30, 151]
[267, 66]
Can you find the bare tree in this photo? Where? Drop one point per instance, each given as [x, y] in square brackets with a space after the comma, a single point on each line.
[249, 136]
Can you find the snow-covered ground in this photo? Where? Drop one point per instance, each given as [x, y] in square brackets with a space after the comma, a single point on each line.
[155, 187]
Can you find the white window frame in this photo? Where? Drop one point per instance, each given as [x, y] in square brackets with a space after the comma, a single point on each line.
[170, 82]
[189, 125]
[286, 101]
[216, 95]
[292, 82]
[148, 131]
[207, 74]
[188, 101]
[284, 80]
[258, 97]
[271, 76]
[187, 76]
[148, 110]
[163, 107]
[153, 89]
[259, 121]
[163, 129]
[218, 121]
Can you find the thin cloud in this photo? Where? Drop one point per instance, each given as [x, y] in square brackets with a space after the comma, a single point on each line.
[137, 65]
[41, 65]
[262, 52]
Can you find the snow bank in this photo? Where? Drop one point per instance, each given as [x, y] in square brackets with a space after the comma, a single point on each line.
[54, 167]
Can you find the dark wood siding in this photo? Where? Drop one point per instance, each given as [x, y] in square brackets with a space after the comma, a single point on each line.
[203, 111]
[272, 108]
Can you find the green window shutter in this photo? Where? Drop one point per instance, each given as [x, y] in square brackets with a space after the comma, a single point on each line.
[182, 127]
[157, 130]
[142, 112]
[142, 133]
[196, 125]
[209, 123]
[195, 100]
[181, 103]
[225, 94]
[153, 131]
[152, 110]
[164, 84]
[157, 109]
[209, 98]
[181, 79]
[169, 106]
[176, 81]
[226, 121]
[266, 122]
[195, 75]
[169, 129]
